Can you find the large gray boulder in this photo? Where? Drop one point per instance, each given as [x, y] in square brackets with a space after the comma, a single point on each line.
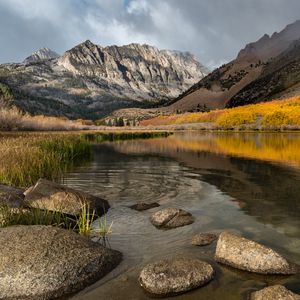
[44, 262]
[52, 196]
[11, 197]
[168, 218]
[175, 275]
[275, 292]
[244, 254]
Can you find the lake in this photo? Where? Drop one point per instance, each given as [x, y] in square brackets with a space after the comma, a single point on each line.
[248, 183]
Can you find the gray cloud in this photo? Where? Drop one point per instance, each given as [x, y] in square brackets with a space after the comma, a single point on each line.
[214, 30]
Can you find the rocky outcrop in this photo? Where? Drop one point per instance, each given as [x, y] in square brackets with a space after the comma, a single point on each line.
[176, 275]
[11, 197]
[144, 206]
[168, 218]
[40, 55]
[276, 292]
[51, 196]
[203, 239]
[244, 254]
[44, 262]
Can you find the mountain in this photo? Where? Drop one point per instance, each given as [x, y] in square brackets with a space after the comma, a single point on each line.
[266, 68]
[280, 77]
[91, 81]
[41, 54]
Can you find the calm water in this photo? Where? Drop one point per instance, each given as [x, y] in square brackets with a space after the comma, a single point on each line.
[246, 183]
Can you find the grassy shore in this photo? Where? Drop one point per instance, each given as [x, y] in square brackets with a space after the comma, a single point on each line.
[274, 115]
[27, 157]
[12, 119]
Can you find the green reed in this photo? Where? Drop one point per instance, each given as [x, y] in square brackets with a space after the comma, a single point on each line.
[24, 158]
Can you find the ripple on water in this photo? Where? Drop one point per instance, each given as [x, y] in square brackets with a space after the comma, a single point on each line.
[127, 180]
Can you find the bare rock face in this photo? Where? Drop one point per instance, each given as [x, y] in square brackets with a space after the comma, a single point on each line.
[176, 275]
[276, 292]
[168, 218]
[55, 197]
[44, 262]
[244, 254]
[203, 239]
[40, 55]
[134, 69]
[11, 197]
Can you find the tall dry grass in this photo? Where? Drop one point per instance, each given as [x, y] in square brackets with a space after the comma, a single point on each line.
[26, 158]
[12, 119]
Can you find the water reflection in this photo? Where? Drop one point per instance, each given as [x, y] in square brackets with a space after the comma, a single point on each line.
[243, 172]
[248, 183]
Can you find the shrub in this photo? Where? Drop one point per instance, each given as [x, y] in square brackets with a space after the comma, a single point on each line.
[236, 118]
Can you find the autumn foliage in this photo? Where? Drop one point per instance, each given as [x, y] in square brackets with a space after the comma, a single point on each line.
[265, 115]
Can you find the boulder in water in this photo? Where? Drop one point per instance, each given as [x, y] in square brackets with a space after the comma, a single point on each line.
[168, 218]
[52, 196]
[45, 262]
[275, 292]
[244, 254]
[175, 275]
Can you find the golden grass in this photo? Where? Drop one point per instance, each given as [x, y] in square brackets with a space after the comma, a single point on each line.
[268, 115]
[12, 119]
[28, 157]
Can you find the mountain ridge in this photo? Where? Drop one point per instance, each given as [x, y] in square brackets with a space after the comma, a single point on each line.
[217, 88]
[91, 81]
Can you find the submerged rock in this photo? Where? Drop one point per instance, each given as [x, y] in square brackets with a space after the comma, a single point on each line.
[144, 206]
[55, 197]
[244, 254]
[203, 239]
[275, 292]
[175, 275]
[168, 218]
[11, 197]
[44, 262]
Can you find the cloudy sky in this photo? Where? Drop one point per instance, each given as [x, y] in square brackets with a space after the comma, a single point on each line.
[214, 30]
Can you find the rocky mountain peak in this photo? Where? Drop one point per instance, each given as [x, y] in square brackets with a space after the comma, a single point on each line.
[135, 71]
[40, 55]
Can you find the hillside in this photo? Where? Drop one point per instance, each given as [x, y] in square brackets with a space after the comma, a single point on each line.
[91, 81]
[231, 84]
[280, 75]
[272, 115]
